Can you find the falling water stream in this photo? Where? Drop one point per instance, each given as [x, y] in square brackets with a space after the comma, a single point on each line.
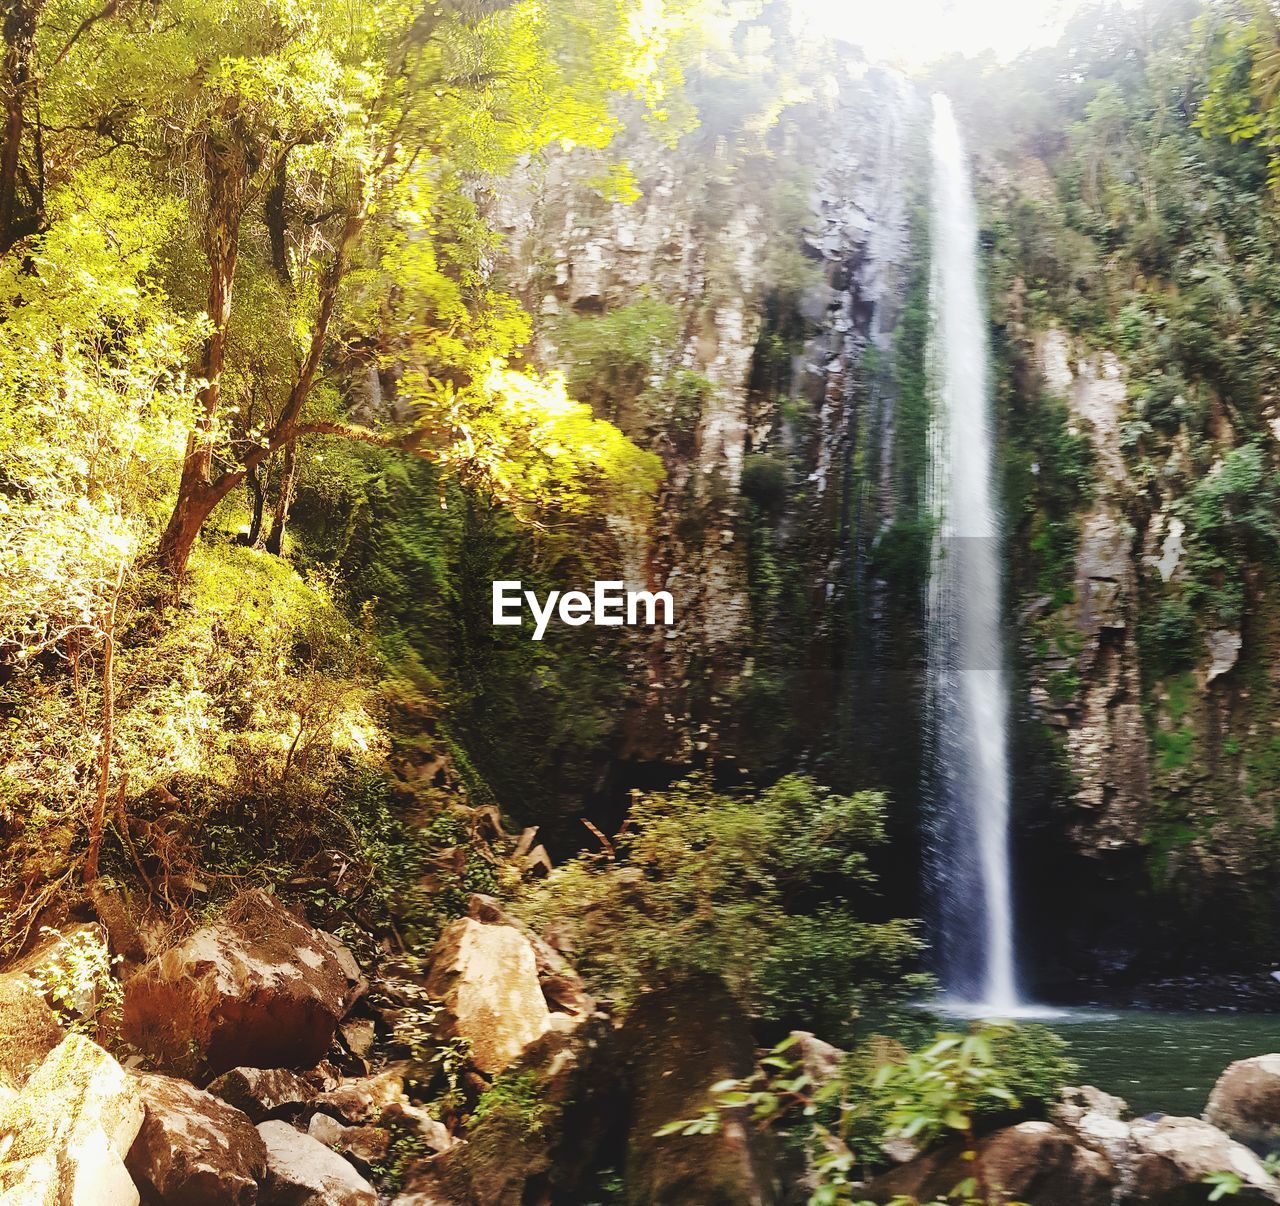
[968, 723]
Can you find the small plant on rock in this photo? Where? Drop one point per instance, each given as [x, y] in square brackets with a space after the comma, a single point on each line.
[78, 983]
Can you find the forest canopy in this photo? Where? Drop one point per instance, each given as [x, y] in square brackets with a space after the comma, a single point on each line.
[215, 218]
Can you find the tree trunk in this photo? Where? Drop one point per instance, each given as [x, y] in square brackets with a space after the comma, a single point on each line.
[198, 494]
[226, 172]
[106, 733]
[20, 39]
[277, 221]
[284, 499]
[258, 489]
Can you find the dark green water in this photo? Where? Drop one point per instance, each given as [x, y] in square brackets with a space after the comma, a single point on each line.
[1162, 1062]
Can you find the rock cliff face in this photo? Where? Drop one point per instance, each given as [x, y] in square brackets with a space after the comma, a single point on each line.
[779, 267]
[1106, 739]
[578, 256]
[1155, 708]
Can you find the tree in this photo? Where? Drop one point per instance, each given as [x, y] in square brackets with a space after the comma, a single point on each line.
[1241, 99]
[23, 166]
[330, 159]
[449, 77]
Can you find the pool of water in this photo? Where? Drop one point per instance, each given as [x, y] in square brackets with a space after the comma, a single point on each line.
[1158, 1062]
[1162, 1062]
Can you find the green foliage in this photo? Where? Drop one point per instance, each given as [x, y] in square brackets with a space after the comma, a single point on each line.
[436, 1064]
[913, 406]
[1239, 101]
[1169, 637]
[513, 1100]
[78, 981]
[940, 1089]
[525, 721]
[622, 360]
[249, 705]
[1227, 1184]
[713, 883]
[1034, 1065]
[1048, 466]
[448, 838]
[839, 975]
[902, 554]
[765, 481]
[94, 400]
[1175, 737]
[1233, 518]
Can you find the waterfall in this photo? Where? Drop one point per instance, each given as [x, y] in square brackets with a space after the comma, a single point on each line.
[968, 770]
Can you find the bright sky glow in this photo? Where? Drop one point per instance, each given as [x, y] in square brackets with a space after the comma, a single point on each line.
[916, 32]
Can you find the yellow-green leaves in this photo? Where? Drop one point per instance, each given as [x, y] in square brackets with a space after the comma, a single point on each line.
[1242, 100]
[94, 403]
[522, 438]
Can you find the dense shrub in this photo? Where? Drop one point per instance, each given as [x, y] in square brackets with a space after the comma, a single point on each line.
[732, 885]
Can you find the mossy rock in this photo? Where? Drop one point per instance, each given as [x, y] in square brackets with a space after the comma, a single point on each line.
[29, 1030]
[678, 1042]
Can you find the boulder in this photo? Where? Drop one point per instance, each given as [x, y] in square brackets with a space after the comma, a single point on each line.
[365, 1098]
[819, 1060]
[486, 978]
[1031, 1162]
[425, 1189]
[1172, 1156]
[359, 1035]
[1074, 1105]
[301, 1171]
[364, 1146]
[562, 987]
[324, 1129]
[521, 1152]
[63, 1139]
[1096, 1120]
[1245, 1103]
[263, 1092]
[29, 1030]
[256, 987]
[678, 1042]
[193, 1149]
[405, 1117]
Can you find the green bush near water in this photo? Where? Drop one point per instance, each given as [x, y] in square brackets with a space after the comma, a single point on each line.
[762, 889]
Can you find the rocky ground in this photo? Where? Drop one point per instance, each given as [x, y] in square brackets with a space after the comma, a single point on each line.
[258, 1062]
